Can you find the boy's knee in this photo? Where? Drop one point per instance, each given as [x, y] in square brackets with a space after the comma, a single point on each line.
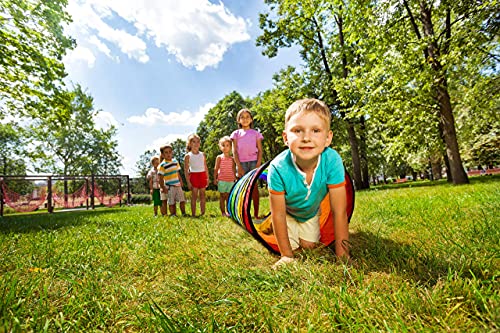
[306, 244]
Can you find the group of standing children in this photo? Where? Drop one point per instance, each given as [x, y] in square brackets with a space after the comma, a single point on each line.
[298, 178]
[165, 180]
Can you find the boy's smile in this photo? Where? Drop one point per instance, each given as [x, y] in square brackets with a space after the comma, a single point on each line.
[307, 135]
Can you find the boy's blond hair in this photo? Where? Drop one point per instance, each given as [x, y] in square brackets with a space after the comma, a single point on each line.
[154, 158]
[239, 115]
[224, 139]
[309, 105]
[162, 148]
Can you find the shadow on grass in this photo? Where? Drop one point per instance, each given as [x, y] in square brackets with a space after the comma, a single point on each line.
[412, 261]
[26, 223]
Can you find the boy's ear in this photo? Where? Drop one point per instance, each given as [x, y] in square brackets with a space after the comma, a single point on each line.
[329, 139]
[285, 138]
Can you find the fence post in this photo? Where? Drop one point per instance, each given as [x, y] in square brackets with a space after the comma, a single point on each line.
[128, 191]
[1, 196]
[92, 188]
[50, 209]
[120, 189]
[87, 193]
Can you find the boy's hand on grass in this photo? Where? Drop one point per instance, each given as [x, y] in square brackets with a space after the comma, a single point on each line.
[283, 261]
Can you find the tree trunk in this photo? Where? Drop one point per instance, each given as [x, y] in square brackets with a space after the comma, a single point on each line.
[458, 174]
[436, 170]
[447, 120]
[353, 140]
[356, 164]
[363, 155]
[449, 177]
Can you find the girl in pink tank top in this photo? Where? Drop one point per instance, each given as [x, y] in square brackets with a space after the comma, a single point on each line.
[224, 173]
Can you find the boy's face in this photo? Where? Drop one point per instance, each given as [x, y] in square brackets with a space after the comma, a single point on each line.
[155, 163]
[225, 147]
[307, 135]
[168, 154]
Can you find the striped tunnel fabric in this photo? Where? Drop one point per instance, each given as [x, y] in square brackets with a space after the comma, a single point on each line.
[240, 199]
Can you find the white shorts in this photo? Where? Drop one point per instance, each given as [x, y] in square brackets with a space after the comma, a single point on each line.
[308, 231]
[175, 194]
[163, 196]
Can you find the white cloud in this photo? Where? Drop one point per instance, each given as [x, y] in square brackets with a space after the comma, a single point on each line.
[78, 55]
[170, 138]
[155, 116]
[102, 48]
[196, 32]
[104, 120]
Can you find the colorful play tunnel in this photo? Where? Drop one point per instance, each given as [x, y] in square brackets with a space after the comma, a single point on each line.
[239, 204]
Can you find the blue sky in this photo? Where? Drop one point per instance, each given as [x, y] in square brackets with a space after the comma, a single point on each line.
[155, 67]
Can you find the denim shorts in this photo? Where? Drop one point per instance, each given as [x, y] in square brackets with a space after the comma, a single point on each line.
[248, 166]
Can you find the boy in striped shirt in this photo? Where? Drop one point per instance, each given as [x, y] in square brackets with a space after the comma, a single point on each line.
[171, 186]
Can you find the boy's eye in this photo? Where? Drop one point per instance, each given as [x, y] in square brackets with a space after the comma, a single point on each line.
[296, 130]
[316, 130]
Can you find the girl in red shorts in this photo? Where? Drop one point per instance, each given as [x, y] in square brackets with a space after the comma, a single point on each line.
[196, 172]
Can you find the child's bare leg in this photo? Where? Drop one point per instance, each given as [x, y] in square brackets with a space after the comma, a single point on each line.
[194, 198]
[172, 209]
[155, 208]
[221, 204]
[163, 207]
[202, 201]
[255, 199]
[182, 206]
[306, 244]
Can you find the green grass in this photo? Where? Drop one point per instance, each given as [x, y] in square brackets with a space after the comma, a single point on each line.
[426, 259]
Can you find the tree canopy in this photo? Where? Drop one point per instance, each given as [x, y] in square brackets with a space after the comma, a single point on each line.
[33, 44]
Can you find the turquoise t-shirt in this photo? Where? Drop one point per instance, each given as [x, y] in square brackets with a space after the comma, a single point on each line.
[302, 201]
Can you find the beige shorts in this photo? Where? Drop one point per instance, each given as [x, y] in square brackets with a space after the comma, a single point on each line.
[175, 194]
[163, 196]
[308, 231]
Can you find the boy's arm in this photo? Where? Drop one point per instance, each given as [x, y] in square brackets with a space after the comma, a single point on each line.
[161, 181]
[151, 184]
[278, 215]
[180, 178]
[216, 169]
[338, 204]
[159, 178]
[259, 152]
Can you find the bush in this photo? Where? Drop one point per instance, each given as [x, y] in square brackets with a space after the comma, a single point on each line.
[210, 195]
[144, 199]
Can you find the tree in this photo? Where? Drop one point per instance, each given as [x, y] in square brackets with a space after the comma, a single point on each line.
[11, 143]
[142, 167]
[179, 151]
[218, 122]
[33, 44]
[72, 144]
[317, 27]
[269, 109]
[426, 49]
